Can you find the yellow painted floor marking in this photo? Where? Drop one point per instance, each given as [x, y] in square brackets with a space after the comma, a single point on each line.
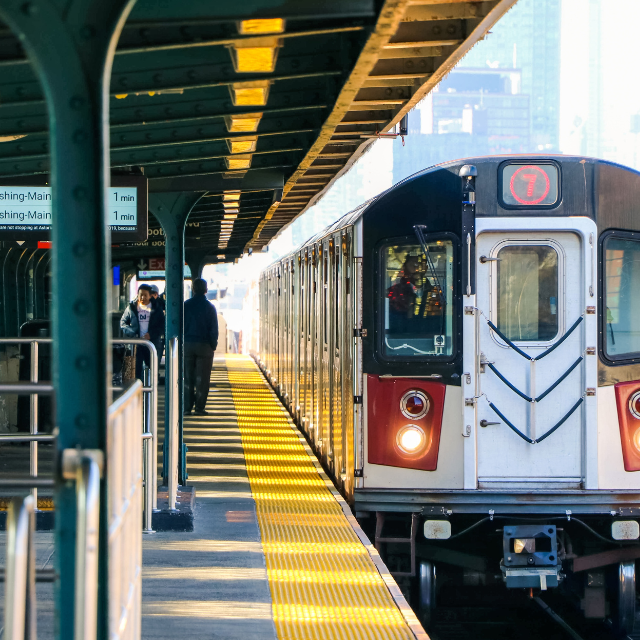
[323, 582]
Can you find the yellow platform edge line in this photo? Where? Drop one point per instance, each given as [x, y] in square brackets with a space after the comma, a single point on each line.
[392, 589]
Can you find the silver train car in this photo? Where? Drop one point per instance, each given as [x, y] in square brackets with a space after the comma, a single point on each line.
[463, 354]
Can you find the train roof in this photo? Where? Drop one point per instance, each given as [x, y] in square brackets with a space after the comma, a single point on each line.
[354, 215]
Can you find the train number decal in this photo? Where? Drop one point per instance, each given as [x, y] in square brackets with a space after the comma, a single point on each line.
[529, 185]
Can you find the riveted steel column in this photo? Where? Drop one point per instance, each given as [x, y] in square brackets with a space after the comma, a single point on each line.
[71, 47]
[172, 210]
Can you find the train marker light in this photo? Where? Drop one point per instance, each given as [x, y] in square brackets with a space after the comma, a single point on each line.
[625, 530]
[437, 529]
[524, 545]
[411, 439]
[634, 405]
[414, 404]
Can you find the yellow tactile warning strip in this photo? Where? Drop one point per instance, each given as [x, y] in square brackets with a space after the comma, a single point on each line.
[324, 583]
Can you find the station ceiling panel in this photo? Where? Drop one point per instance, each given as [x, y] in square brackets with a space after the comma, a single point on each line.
[261, 104]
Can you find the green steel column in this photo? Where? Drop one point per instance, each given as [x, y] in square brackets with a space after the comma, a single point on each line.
[197, 260]
[172, 210]
[71, 46]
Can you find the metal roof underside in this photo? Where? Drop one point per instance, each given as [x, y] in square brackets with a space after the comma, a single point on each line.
[261, 104]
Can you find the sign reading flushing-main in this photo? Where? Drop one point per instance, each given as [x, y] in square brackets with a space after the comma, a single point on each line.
[26, 211]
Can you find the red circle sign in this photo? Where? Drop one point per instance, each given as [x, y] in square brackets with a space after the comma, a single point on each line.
[527, 183]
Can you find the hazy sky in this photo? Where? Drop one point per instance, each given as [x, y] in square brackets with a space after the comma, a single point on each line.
[598, 74]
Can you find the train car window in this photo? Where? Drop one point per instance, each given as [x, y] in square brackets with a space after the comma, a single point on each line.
[528, 292]
[622, 297]
[417, 300]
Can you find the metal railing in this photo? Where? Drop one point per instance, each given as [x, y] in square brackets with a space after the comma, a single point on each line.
[85, 466]
[124, 478]
[149, 434]
[173, 409]
[124, 490]
[150, 429]
[20, 588]
[33, 388]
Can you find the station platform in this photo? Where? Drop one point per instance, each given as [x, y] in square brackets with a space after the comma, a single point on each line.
[275, 551]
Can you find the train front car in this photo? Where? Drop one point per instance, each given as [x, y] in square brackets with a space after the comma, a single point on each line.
[480, 402]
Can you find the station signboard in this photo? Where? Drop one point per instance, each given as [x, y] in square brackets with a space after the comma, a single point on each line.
[26, 208]
[154, 269]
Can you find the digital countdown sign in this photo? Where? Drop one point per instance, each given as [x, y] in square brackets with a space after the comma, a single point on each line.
[530, 185]
[26, 209]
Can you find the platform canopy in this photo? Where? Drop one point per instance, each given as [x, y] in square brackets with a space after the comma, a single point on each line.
[259, 103]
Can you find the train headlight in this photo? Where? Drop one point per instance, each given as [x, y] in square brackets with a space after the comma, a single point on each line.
[414, 404]
[634, 406]
[411, 439]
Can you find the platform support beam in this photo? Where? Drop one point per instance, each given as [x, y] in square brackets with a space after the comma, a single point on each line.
[78, 37]
[172, 211]
[197, 260]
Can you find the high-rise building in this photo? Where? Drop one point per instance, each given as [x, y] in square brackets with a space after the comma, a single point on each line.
[503, 97]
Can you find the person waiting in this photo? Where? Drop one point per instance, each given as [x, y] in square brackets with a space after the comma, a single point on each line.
[143, 318]
[200, 342]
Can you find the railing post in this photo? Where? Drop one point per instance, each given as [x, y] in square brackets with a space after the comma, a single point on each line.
[173, 408]
[20, 585]
[33, 445]
[87, 539]
[147, 447]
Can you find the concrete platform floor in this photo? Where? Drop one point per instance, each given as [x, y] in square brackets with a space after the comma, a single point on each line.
[210, 583]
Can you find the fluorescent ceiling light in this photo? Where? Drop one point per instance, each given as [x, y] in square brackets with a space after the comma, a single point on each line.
[243, 122]
[242, 145]
[238, 162]
[244, 94]
[259, 26]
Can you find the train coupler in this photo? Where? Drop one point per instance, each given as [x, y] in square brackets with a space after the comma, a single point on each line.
[531, 557]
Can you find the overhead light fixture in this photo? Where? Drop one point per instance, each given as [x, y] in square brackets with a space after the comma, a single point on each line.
[228, 196]
[238, 162]
[231, 206]
[12, 137]
[230, 216]
[242, 145]
[233, 174]
[243, 122]
[256, 55]
[254, 59]
[246, 94]
[261, 26]
[221, 256]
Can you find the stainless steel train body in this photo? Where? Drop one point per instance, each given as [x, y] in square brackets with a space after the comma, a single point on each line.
[463, 351]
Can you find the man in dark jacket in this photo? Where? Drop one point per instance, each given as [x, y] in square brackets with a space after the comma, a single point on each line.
[143, 318]
[200, 341]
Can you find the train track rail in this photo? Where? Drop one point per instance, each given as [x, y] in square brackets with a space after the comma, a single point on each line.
[466, 614]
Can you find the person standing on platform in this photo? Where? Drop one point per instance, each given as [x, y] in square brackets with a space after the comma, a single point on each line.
[200, 342]
[161, 304]
[143, 318]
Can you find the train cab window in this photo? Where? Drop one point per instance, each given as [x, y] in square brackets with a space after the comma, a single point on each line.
[622, 298]
[527, 300]
[417, 298]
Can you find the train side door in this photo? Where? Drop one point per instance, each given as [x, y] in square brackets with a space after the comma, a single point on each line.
[530, 357]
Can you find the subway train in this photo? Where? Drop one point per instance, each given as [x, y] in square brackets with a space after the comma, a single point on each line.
[462, 355]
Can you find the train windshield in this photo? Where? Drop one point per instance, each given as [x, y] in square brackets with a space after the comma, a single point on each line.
[622, 292]
[418, 299]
